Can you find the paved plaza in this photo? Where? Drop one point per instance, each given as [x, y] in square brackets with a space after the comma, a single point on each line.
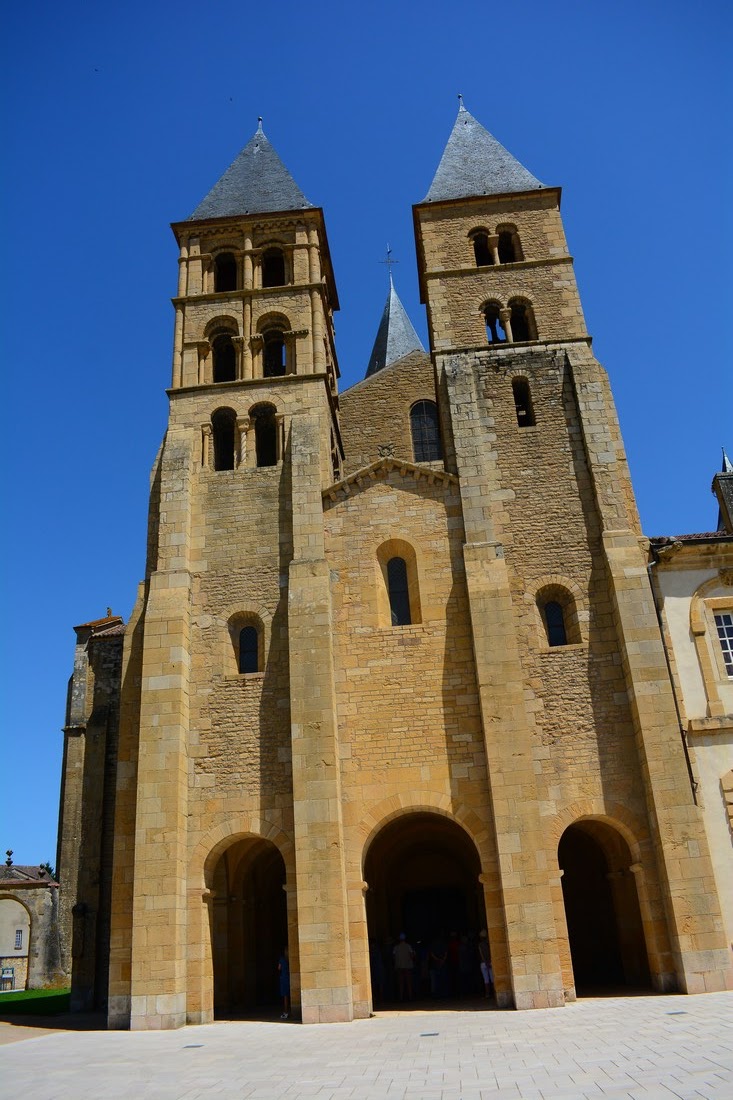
[651, 1048]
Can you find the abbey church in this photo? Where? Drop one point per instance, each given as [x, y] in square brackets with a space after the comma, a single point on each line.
[402, 659]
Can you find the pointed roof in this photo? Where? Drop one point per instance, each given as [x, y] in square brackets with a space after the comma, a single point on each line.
[257, 182]
[475, 163]
[727, 464]
[396, 336]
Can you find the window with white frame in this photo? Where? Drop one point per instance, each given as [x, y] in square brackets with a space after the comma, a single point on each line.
[18, 938]
[724, 623]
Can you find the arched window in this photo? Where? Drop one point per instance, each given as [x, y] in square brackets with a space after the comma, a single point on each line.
[225, 358]
[399, 594]
[481, 249]
[275, 354]
[510, 250]
[494, 328]
[523, 402]
[249, 649]
[522, 321]
[425, 432]
[265, 423]
[273, 267]
[223, 431]
[225, 272]
[559, 615]
[555, 623]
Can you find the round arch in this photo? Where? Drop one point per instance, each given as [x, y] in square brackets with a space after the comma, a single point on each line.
[422, 870]
[598, 859]
[245, 873]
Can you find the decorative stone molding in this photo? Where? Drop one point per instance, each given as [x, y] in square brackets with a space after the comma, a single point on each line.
[380, 469]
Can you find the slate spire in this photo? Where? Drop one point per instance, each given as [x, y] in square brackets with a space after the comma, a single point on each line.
[475, 163]
[257, 182]
[396, 336]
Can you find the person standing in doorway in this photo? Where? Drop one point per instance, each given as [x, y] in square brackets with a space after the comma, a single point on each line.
[404, 961]
[283, 969]
[484, 952]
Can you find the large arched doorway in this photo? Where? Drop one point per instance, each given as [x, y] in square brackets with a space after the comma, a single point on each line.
[249, 928]
[422, 871]
[602, 911]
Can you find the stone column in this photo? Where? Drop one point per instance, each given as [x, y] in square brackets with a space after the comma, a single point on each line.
[247, 365]
[505, 316]
[319, 352]
[508, 725]
[493, 243]
[700, 951]
[325, 968]
[159, 910]
[204, 348]
[239, 346]
[206, 446]
[177, 373]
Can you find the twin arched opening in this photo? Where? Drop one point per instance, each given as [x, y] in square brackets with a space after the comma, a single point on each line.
[501, 247]
[512, 324]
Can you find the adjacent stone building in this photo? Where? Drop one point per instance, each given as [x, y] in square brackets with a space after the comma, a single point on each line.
[30, 954]
[395, 662]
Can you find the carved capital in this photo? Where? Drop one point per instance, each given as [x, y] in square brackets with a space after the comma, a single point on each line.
[257, 340]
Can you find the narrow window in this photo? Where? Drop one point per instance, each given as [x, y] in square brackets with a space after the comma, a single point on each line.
[223, 423]
[425, 432]
[522, 321]
[555, 623]
[18, 939]
[249, 649]
[275, 359]
[481, 250]
[225, 272]
[225, 358]
[494, 328]
[273, 268]
[523, 402]
[399, 596]
[510, 251]
[265, 435]
[724, 623]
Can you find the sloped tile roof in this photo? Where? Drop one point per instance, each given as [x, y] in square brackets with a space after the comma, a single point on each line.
[396, 336]
[257, 182]
[475, 163]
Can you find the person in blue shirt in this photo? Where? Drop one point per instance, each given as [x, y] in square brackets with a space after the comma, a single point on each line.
[283, 969]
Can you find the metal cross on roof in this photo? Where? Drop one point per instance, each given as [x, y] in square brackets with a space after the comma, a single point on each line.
[389, 262]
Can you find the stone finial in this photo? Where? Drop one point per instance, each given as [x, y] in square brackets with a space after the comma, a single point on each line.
[9, 860]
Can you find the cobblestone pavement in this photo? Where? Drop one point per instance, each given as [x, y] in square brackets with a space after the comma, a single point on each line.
[651, 1048]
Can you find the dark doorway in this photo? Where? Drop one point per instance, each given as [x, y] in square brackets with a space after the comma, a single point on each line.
[249, 929]
[605, 930]
[423, 875]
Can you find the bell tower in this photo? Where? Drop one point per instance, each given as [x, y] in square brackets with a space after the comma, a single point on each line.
[556, 576]
[228, 732]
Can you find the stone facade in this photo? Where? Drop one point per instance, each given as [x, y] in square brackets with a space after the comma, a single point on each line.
[424, 751]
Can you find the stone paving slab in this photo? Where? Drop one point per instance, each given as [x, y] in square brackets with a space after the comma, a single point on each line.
[643, 1048]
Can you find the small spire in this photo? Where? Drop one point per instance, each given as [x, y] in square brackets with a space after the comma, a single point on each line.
[389, 262]
[727, 464]
[259, 125]
[460, 102]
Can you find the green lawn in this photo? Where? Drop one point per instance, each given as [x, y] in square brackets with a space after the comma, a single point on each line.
[34, 1002]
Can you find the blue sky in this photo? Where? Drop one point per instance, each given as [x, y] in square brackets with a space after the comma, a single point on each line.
[122, 117]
